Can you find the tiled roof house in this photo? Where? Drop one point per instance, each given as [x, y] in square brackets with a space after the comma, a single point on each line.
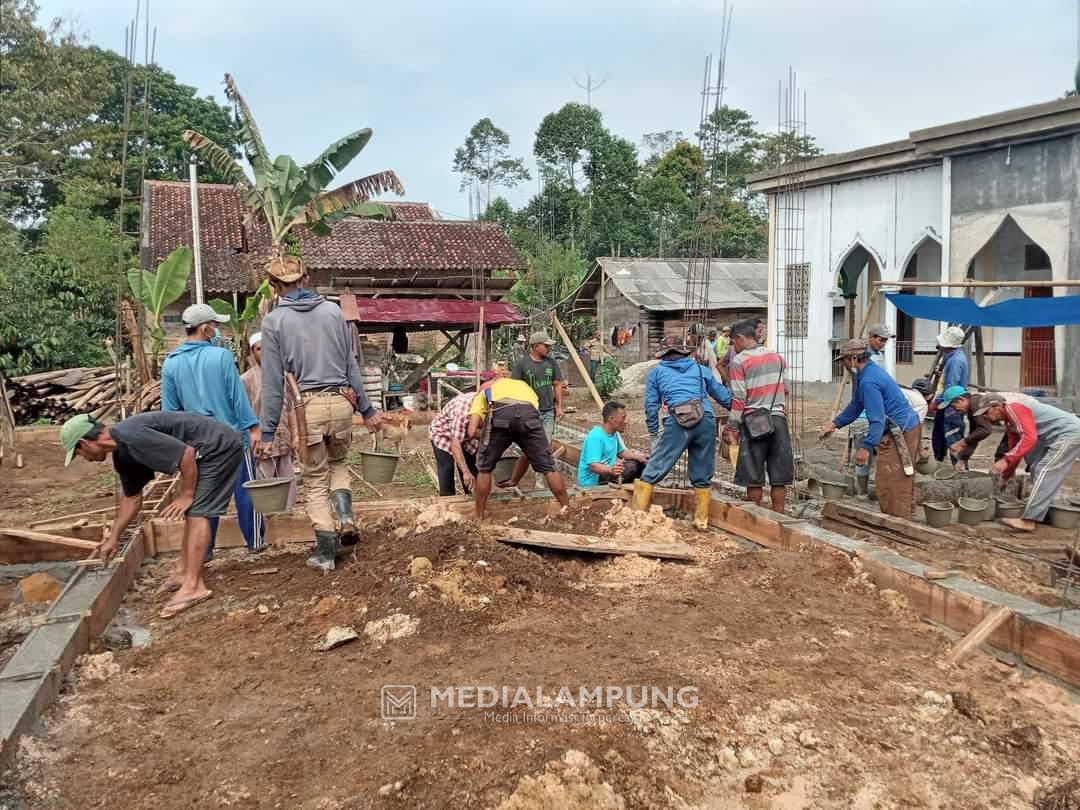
[414, 253]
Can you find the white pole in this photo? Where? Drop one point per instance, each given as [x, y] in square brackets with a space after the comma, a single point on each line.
[195, 247]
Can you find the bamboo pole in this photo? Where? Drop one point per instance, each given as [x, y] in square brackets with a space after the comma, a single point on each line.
[577, 360]
[844, 376]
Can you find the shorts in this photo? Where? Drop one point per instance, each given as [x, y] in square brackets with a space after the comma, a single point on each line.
[772, 453]
[217, 478]
[548, 418]
[515, 424]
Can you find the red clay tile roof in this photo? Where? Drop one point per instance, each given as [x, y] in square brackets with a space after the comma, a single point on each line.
[414, 245]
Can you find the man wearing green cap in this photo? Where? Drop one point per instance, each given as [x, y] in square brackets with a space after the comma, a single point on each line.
[541, 372]
[206, 453]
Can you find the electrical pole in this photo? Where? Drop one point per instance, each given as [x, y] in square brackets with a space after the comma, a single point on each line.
[589, 86]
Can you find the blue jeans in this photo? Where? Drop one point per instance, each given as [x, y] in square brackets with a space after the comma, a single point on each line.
[593, 366]
[251, 522]
[699, 443]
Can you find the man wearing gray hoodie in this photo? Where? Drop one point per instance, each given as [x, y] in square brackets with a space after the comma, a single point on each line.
[308, 337]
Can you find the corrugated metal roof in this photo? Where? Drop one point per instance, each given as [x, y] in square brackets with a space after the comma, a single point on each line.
[659, 285]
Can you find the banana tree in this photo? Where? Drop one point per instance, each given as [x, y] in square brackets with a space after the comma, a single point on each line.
[288, 195]
[155, 291]
[240, 320]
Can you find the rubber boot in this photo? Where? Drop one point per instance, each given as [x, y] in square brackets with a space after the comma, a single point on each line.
[701, 513]
[642, 496]
[341, 500]
[325, 558]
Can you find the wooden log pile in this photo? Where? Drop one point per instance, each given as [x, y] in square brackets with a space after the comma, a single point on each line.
[58, 395]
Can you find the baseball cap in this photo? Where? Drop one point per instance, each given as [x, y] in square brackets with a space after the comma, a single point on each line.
[672, 343]
[921, 384]
[853, 348]
[541, 337]
[255, 339]
[988, 402]
[951, 393]
[73, 430]
[286, 269]
[198, 314]
[881, 330]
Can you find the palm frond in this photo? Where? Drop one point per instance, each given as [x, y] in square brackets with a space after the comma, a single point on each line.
[336, 157]
[219, 158]
[250, 136]
[357, 191]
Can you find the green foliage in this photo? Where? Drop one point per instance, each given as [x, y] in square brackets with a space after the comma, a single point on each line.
[286, 194]
[485, 159]
[240, 320]
[608, 380]
[554, 273]
[564, 138]
[51, 315]
[87, 242]
[155, 291]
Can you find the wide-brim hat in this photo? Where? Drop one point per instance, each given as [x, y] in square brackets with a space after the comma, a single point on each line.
[286, 269]
[673, 344]
[853, 348]
[951, 338]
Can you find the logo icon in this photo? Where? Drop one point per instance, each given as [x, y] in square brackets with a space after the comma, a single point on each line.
[398, 702]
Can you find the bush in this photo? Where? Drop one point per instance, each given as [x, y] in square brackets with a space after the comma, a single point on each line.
[608, 379]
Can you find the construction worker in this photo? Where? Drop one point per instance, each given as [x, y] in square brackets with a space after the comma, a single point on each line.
[275, 460]
[891, 420]
[307, 336]
[604, 458]
[966, 403]
[918, 396]
[508, 410]
[453, 449]
[200, 376]
[684, 386]
[721, 345]
[1048, 438]
[594, 353]
[206, 452]
[757, 385]
[876, 337]
[542, 373]
[948, 424]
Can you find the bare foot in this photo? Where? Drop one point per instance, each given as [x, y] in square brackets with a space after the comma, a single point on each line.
[1019, 524]
[184, 600]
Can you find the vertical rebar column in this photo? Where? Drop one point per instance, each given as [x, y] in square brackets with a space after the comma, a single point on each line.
[792, 274]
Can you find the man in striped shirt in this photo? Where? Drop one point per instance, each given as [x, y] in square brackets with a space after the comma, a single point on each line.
[757, 383]
[453, 448]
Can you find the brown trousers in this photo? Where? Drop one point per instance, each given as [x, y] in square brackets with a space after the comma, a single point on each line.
[896, 491]
[329, 436]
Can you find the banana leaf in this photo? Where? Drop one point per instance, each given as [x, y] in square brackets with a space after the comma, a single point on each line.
[335, 158]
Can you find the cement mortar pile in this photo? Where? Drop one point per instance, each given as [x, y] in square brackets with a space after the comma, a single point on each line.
[633, 378]
[623, 523]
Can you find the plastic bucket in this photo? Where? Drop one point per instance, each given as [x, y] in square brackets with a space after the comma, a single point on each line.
[1063, 517]
[833, 490]
[1009, 508]
[938, 515]
[504, 468]
[971, 510]
[269, 496]
[926, 466]
[378, 468]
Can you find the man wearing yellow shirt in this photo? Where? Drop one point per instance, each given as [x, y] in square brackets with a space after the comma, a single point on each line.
[509, 412]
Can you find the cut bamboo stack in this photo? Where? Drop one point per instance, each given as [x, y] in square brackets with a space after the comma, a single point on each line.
[58, 395]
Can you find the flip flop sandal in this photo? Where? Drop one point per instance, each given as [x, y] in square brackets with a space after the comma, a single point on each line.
[1015, 529]
[167, 587]
[173, 609]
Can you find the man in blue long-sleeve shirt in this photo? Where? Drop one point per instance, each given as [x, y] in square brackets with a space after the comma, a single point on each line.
[886, 405]
[201, 377]
[948, 423]
[680, 380]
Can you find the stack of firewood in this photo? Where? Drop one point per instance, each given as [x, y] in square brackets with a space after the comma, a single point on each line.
[57, 395]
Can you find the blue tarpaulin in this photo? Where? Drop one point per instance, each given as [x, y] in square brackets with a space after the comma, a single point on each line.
[1016, 312]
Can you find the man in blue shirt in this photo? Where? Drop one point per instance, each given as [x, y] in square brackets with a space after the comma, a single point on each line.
[886, 406]
[680, 381]
[604, 457]
[201, 377]
[948, 424]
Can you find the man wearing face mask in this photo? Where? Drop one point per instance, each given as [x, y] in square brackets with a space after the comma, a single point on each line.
[200, 376]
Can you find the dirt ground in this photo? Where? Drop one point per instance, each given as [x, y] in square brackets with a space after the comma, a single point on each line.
[804, 686]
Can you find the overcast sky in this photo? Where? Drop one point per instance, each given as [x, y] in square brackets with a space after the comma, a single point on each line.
[420, 74]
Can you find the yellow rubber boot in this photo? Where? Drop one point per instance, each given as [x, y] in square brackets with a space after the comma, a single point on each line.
[642, 496]
[701, 514]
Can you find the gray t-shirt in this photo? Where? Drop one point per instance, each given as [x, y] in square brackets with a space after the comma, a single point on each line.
[155, 442]
[542, 376]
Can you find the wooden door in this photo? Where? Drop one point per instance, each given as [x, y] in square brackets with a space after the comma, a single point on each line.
[1038, 359]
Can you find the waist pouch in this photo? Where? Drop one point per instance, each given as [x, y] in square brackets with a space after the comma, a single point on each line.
[689, 414]
[758, 423]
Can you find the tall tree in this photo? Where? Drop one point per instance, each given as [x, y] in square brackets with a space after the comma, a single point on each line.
[50, 87]
[485, 159]
[565, 137]
[613, 171]
[658, 144]
[288, 195]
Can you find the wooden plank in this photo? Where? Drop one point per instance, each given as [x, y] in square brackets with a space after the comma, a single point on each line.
[75, 516]
[43, 537]
[846, 512]
[570, 347]
[596, 545]
[983, 630]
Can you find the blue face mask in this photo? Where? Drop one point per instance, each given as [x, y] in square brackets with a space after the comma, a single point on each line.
[217, 340]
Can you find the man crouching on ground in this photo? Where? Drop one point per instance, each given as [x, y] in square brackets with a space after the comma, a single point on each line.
[207, 454]
[509, 412]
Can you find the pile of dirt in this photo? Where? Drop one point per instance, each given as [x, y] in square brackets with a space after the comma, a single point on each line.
[633, 378]
[571, 782]
[623, 523]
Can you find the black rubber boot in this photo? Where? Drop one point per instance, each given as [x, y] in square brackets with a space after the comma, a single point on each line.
[341, 501]
[325, 557]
